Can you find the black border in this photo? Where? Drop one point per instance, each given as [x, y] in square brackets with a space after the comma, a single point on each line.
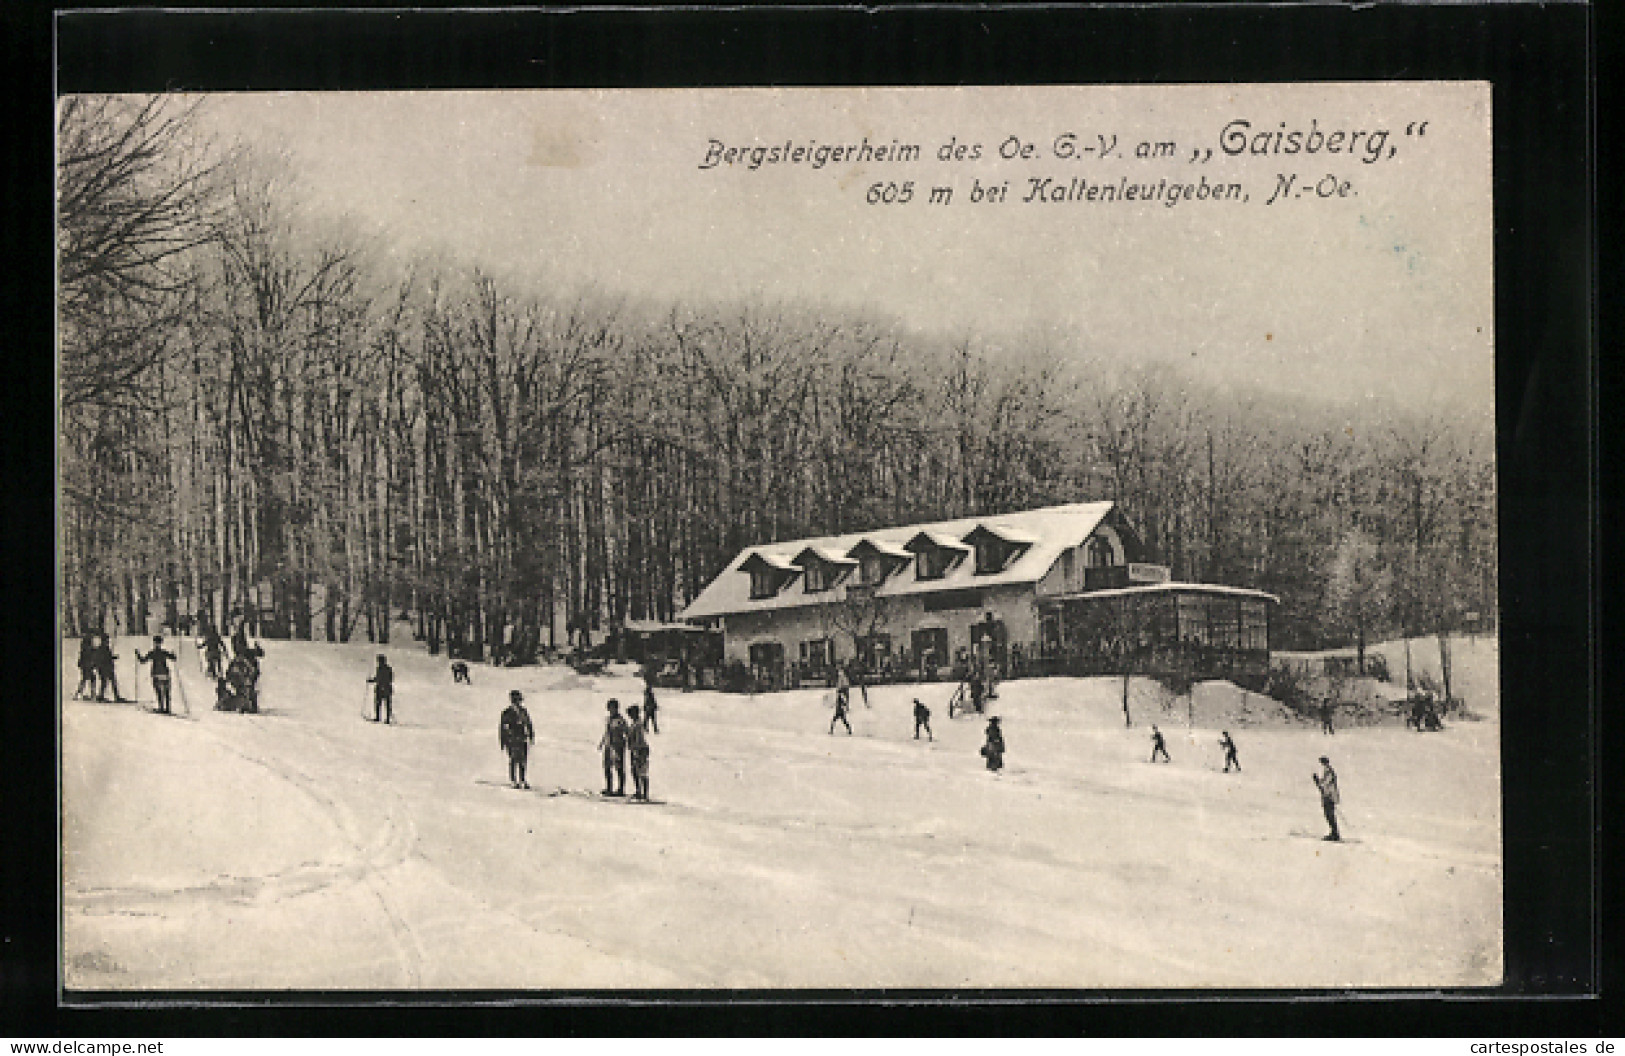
[1539, 61]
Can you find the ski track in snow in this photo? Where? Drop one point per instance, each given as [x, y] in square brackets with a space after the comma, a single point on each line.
[305, 847]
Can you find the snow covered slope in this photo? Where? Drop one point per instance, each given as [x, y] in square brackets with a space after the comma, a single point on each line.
[304, 847]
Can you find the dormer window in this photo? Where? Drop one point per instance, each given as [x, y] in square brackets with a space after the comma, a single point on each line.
[768, 575]
[877, 561]
[995, 548]
[935, 555]
[824, 568]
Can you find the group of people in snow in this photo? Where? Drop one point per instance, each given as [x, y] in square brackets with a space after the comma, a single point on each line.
[622, 736]
[96, 670]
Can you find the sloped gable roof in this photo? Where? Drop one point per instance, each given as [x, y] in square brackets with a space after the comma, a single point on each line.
[1051, 530]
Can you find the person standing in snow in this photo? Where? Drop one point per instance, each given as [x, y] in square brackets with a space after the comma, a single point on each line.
[383, 692]
[1326, 718]
[922, 720]
[106, 671]
[840, 714]
[515, 734]
[1229, 747]
[843, 689]
[993, 749]
[214, 651]
[1326, 781]
[1158, 746]
[87, 669]
[159, 658]
[639, 743]
[649, 705]
[613, 745]
[239, 639]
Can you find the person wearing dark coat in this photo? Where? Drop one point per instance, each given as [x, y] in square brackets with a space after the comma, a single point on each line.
[650, 707]
[214, 651]
[639, 744]
[1229, 747]
[840, 714]
[922, 720]
[383, 693]
[159, 658]
[515, 734]
[106, 671]
[1158, 746]
[993, 750]
[613, 745]
[1326, 782]
[87, 669]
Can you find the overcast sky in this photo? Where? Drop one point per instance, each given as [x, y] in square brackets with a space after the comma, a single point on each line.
[1384, 291]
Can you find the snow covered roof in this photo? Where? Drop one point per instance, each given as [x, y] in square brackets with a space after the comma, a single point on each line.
[1052, 529]
[941, 540]
[1006, 533]
[880, 546]
[827, 554]
[1171, 586]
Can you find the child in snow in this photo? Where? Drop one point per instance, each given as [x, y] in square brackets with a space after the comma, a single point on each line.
[993, 750]
[922, 720]
[640, 756]
[613, 745]
[1158, 746]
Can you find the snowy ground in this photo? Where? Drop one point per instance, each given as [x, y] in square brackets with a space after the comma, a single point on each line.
[306, 848]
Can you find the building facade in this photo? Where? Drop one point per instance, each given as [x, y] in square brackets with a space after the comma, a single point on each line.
[1063, 589]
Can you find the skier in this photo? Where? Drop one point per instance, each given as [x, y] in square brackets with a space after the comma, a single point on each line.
[383, 694]
[993, 750]
[922, 720]
[159, 658]
[843, 690]
[863, 681]
[640, 756]
[840, 714]
[613, 745]
[515, 734]
[214, 650]
[239, 639]
[650, 706]
[1229, 747]
[87, 668]
[1326, 718]
[106, 671]
[1326, 781]
[978, 692]
[240, 682]
[459, 673]
[1158, 745]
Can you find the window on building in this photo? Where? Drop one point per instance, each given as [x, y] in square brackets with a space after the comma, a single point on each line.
[1255, 625]
[873, 570]
[817, 577]
[764, 583]
[933, 563]
[818, 655]
[1193, 629]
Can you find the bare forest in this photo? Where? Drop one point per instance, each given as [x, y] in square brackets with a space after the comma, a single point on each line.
[266, 412]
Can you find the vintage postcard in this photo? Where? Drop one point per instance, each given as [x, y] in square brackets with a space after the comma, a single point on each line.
[933, 538]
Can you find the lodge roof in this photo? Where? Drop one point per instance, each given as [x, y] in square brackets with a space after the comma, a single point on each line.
[1047, 531]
